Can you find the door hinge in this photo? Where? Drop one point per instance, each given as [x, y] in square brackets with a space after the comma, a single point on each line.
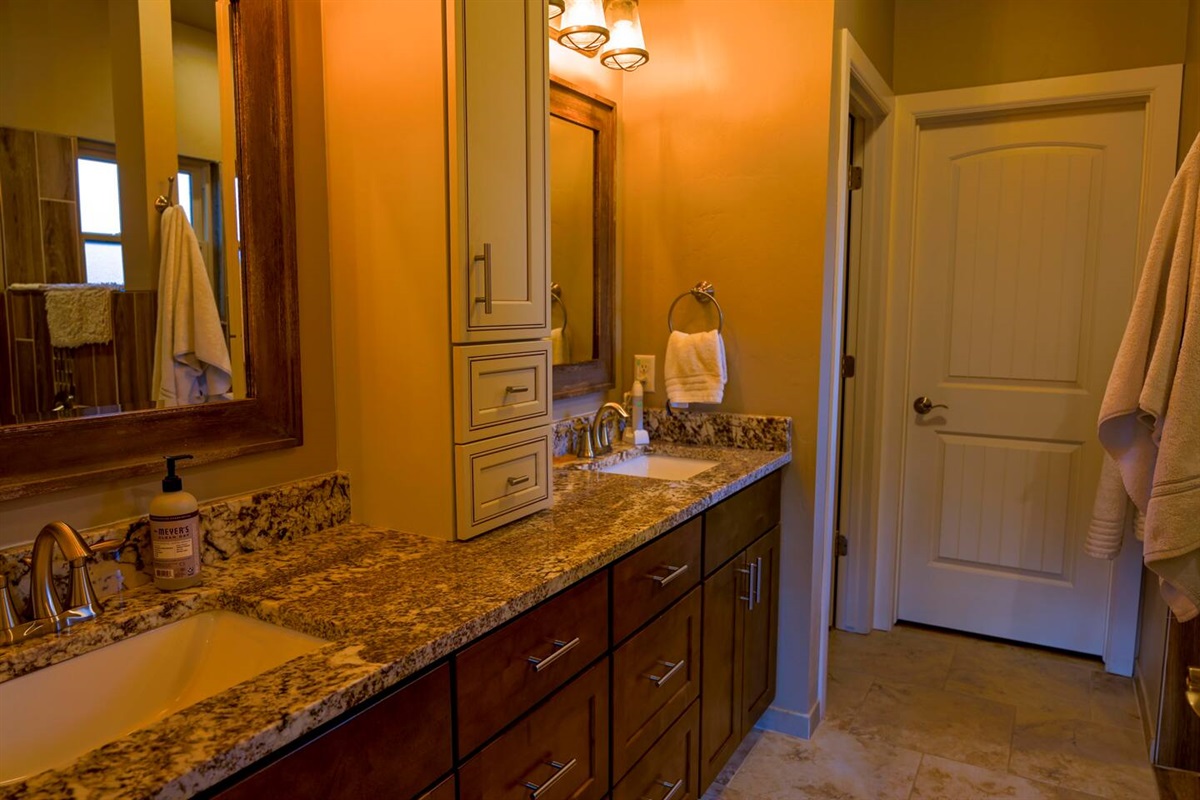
[843, 544]
[847, 366]
[855, 178]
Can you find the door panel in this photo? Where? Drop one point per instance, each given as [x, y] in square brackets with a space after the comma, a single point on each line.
[1025, 257]
[721, 669]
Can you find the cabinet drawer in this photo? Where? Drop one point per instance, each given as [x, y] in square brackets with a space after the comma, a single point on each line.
[671, 768]
[393, 748]
[731, 525]
[646, 582]
[564, 743]
[502, 479]
[500, 388]
[497, 680]
[656, 675]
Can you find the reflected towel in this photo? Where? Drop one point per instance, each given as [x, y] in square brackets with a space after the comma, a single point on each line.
[1150, 416]
[558, 345]
[695, 370]
[76, 313]
[191, 358]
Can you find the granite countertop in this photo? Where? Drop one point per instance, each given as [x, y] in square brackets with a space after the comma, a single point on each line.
[389, 603]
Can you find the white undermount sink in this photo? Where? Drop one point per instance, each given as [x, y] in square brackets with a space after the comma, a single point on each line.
[665, 468]
[58, 713]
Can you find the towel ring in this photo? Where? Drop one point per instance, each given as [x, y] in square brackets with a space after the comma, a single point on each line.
[556, 297]
[704, 292]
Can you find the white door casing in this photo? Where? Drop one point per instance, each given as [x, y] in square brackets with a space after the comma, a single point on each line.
[1022, 214]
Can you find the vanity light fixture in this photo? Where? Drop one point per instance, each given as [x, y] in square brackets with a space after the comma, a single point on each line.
[581, 26]
[554, 9]
[626, 48]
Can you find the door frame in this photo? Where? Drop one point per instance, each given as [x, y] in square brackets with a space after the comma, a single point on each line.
[1158, 90]
[857, 85]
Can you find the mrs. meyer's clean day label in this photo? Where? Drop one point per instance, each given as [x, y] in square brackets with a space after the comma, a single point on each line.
[175, 533]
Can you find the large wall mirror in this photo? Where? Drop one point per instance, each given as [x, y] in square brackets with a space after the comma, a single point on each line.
[582, 147]
[146, 233]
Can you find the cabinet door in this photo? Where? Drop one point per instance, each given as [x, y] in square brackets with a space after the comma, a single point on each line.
[759, 641]
[500, 283]
[721, 670]
[393, 748]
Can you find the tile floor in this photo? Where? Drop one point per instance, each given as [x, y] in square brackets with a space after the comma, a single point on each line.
[915, 714]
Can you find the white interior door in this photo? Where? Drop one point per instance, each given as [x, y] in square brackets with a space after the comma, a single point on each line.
[1024, 262]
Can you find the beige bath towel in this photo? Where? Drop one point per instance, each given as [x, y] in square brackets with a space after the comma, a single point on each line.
[191, 359]
[76, 313]
[695, 367]
[1150, 416]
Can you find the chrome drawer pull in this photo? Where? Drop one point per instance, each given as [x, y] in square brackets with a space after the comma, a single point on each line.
[671, 670]
[563, 769]
[486, 258]
[672, 789]
[540, 664]
[758, 582]
[516, 389]
[518, 481]
[675, 572]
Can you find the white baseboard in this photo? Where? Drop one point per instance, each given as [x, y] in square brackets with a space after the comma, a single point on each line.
[793, 723]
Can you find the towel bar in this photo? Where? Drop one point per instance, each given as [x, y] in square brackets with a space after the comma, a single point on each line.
[704, 292]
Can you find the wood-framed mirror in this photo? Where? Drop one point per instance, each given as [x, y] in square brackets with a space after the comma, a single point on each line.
[583, 151]
[52, 454]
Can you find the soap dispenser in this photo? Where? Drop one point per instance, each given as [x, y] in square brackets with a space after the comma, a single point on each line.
[175, 533]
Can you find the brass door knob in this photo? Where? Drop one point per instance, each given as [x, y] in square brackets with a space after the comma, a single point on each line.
[923, 405]
[1193, 688]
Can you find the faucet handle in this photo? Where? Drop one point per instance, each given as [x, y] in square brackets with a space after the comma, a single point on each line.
[9, 618]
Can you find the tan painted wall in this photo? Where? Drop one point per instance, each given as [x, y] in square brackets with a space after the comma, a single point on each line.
[726, 148]
[999, 41]
[1189, 111]
[67, 63]
[197, 92]
[871, 23]
[102, 503]
[387, 186]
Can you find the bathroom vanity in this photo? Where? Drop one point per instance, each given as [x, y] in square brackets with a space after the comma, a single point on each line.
[620, 645]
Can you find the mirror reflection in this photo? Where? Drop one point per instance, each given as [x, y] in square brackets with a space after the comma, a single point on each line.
[109, 303]
[572, 209]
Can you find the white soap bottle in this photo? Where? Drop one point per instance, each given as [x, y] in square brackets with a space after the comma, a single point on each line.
[175, 533]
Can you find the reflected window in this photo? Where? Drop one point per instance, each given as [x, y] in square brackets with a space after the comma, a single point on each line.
[100, 215]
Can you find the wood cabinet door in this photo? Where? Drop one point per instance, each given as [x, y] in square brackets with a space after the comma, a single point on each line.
[721, 669]
[559, 750]
[1179, 726]
[393, 748]
[759, 638]
[500, 285]
[446, 790]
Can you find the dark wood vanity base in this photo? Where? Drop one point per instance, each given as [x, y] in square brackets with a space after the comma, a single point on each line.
[637, 681]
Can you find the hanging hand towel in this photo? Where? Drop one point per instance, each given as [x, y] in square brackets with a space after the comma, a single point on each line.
[695, 370]
[558, 345]
[191, 359]
[76, 313]
[1150, 416]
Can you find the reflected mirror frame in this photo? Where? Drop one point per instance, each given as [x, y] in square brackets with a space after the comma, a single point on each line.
[49, 456]
[577, 106]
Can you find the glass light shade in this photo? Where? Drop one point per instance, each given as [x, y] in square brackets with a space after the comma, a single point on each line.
[581, 26]
[554, 9]
[626, 48]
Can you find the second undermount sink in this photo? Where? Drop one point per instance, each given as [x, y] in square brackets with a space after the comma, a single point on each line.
[665, 468]
[58, 713]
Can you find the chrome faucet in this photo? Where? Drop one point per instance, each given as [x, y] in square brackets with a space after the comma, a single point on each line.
[596, 440]
[48, 614]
